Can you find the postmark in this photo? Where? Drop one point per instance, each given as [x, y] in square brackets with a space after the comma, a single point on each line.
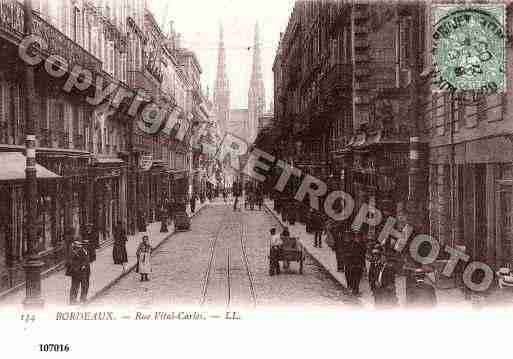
[469, 45]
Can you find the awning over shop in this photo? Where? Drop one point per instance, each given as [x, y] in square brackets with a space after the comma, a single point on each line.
[108, 161]
[12, 168]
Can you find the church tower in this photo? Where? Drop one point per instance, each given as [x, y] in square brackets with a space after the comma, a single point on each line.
[222, 87]
[256, 95]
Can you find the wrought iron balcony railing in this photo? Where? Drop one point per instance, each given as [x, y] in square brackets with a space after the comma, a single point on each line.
[12, 21]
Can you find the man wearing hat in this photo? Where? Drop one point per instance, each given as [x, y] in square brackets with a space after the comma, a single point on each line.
[356, 262]
[422, 294]
[78, 268]
[374, 268]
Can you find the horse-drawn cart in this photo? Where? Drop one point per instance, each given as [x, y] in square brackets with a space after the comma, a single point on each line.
[290, 251]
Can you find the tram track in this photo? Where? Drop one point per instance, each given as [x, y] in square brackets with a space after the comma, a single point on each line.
[208, 271]
[229, 224]
[243, 238]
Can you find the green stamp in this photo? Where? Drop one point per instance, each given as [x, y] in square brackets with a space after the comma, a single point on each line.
[469, 48]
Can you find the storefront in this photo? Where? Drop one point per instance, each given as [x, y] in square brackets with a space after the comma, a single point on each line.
[158, 175]
[13, 244]
[108, 176]
[179, 188]
[376, 170]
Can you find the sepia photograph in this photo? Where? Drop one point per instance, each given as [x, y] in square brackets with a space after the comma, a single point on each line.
[225, 161]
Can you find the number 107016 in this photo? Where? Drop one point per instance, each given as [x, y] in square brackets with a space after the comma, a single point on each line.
[54, 347]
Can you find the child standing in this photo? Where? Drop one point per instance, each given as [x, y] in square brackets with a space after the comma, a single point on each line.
[144, 258]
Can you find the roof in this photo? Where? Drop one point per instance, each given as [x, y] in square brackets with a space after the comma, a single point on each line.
[13, 167]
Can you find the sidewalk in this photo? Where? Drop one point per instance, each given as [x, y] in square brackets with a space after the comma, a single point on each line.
[325, 256]
[104, 273]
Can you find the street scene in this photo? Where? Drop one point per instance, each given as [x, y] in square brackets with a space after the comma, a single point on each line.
[309, 155]
[189, 269]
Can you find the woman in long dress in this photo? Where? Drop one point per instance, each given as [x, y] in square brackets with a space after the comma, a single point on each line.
[144, 258]
[119, 253]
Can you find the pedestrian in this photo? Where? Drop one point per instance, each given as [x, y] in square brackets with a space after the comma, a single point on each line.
[374, 268]
[225, 194]
[285, 237]
[342, 243]
[423, 294]
[385, 296]
[246, 194]
[193, 202]
[274, 252]
[79, 269]
[170, 209]
[317, 228]
[346, 254]
[92, 241]
[260, 197]
[144, 258]
[356, 264]
[252, 198]
[236, 193]
[119, 253]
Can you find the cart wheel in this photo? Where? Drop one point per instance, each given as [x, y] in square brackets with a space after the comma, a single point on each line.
[301, 266]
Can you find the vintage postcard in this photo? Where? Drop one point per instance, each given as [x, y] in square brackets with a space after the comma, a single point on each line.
[167, 163]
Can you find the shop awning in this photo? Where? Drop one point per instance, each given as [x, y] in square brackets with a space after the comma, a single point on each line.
[108, 161]
[12, 168]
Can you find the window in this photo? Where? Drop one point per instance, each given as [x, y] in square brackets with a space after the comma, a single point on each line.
[100, 43]
[43, 123]
[112, 57]
[88, 36]
[76, 19]
[59, 108]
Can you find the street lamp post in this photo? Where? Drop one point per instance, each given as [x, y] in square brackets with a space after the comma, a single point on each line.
[33, 262]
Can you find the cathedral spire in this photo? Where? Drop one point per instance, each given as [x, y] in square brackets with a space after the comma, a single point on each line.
[222, 85]
[256, 95]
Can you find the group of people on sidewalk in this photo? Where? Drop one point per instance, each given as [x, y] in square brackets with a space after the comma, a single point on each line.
[83, 252]
[352, 253]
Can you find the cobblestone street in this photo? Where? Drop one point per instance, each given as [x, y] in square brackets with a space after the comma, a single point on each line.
[230, 249]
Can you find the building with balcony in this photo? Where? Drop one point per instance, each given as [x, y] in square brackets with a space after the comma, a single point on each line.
[94, 164]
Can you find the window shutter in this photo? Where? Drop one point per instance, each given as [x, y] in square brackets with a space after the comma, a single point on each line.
[9, 103]
[43, 112]
[69, 117]
[2, 100]
[18, 120]
[3, 116]
[75, 121]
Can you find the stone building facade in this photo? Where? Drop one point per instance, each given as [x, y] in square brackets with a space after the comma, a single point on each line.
[96, 165]
[374, 61]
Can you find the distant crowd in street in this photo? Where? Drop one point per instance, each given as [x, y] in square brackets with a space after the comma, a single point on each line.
[253, 195]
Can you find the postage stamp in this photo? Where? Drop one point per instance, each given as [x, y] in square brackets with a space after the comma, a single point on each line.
[469, 47]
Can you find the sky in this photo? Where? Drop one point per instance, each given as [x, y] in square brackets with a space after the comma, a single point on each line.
[198, 22]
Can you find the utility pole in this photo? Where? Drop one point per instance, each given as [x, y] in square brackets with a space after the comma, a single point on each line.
[33, 262]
